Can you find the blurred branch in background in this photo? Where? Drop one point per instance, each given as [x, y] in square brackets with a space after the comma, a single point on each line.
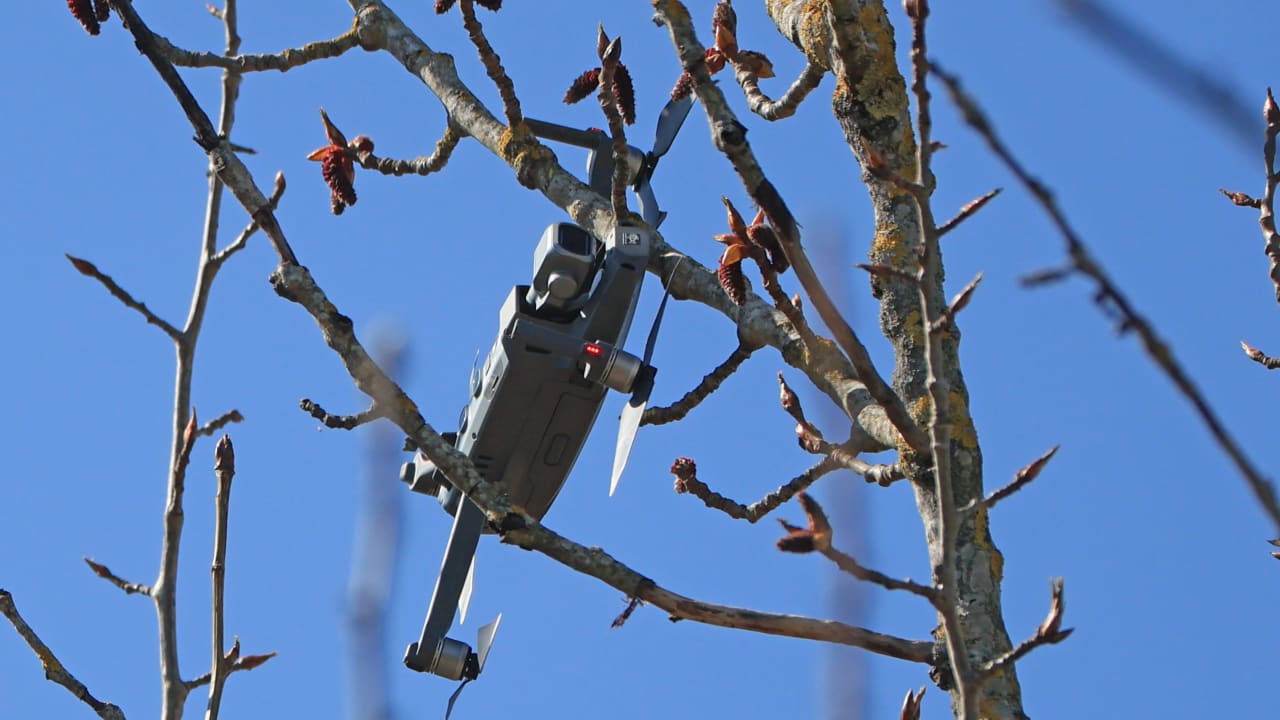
[1177, 75]
[374, 556]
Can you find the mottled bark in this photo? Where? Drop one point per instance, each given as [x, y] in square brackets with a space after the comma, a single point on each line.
[854, 40]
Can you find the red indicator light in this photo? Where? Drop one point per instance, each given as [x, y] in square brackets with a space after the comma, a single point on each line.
[593, 350]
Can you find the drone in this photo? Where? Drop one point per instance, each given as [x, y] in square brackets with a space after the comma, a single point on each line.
[534, 401]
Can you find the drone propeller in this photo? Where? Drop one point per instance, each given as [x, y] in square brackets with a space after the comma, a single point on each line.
[464, 598]
[629, 422]
[669, 122]
[484, 643]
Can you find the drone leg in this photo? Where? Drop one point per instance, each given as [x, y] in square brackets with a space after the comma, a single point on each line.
[435, 653]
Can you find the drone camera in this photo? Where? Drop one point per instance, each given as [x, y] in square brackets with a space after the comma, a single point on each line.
[563, 264]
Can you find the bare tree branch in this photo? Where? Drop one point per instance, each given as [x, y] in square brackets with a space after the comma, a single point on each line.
[225, 470]
[283, 61]
[492, 64]
[709, 384]
[762, 105]
[129, 588]
[53, 668]
[1083, 263]
[341, 422]
[818, 537]
[1021, 479]
[422, 165]
[1198, 87]
[686, 472]
[88, 269]
[969, 210]
[1050, 632]
[936, 381]
[216, 424]
[730, 138]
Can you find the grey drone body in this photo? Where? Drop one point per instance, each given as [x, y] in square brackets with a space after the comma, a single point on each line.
[535, 399]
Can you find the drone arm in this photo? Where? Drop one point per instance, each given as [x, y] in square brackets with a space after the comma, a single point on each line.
[589, 139]
[434, 652]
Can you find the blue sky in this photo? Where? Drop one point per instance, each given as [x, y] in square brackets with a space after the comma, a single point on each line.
[1168, 578]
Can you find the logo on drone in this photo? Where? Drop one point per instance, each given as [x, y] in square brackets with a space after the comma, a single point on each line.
[630, 238]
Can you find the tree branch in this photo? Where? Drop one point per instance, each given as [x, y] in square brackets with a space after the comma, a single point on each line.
[341, 422]
[730, 138]
[225, 470]
[686, 472]
[216, 424]
[129, 588]
[1110, 297]
[53, 668]
[283, 61]
[709, 384]
[762, 105]
[422, 165]
[88, 269]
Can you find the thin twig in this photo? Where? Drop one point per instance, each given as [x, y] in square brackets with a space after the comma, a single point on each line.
[242, 239]
[1256, 355]
[936, 380]
[709, 384]
[1050, 632]
[1083, 262]
[421, 165]
[235, 663]
[341, 422]
[762, 105]
[1021, 479]
[283, 61]
[129, 588]
[492, 64]
[230, 169]
[216, 424]
[53, 668]
[969, 210]
[610, 59]
[88, 269]
[686, 473]
[225, 469]
[1267, 205]
[625, 615]
[818, 535]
